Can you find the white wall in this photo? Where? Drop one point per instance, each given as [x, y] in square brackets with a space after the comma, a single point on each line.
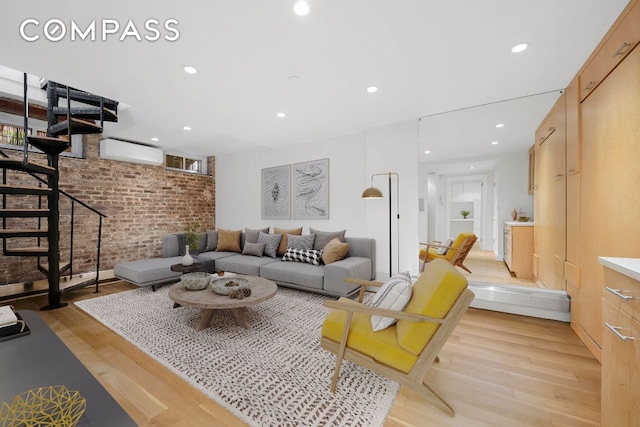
[352, 160]
[238, 185]
[394, 148]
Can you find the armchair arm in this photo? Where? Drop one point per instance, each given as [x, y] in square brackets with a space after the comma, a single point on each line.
[351, 306]
[363, 285]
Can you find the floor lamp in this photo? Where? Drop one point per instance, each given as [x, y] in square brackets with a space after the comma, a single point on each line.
[375, 193]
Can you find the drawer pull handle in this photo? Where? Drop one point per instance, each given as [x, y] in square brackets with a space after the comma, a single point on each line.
[590, 86]
[619, 293]
[615, 330]
[621, 49]
[571, 170]
[551, 129]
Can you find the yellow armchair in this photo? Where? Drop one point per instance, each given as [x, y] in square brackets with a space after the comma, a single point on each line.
[404, 351]
[455, 253]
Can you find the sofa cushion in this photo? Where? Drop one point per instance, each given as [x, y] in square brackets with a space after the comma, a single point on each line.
[334, 251]
[229, 240]
[243, 264]
[309, 256]
[301, 242]
[381, 346]
[212, 240]
[271, 242]
[435, 292]
[282, 247]
[255, 249]
[251, 235]
[297, 273]
[393, 295]
[147, 271]
[324, 237]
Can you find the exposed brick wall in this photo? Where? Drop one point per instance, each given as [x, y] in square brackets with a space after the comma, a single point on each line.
[142, 204]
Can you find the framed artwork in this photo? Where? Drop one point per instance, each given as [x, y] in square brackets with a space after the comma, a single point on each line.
[276, 192]
[311, 190]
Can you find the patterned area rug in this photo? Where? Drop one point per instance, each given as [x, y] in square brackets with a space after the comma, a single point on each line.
[274, 374]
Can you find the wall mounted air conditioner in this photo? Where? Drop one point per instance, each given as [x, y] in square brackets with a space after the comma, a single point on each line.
[128, 152]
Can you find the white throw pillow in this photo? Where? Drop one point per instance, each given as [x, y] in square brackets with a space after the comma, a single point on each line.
[442, 251]
[393, 295]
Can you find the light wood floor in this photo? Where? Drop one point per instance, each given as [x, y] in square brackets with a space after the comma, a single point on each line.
[496, 370]
[486, 269]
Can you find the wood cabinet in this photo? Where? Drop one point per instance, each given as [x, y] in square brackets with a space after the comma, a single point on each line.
[549, 201]
[609, 192]
[572, 114]
[518, 248]
[620, 349]
[620, 42]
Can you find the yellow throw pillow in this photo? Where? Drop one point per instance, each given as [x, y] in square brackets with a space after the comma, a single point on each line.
[282, 247]
[334, 251]
[229, 240]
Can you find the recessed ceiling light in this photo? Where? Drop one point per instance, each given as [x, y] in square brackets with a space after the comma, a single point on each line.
[427, 152]
[281, 115]
[155, 139]
[372, 89]
[519, 47]
[187, 128]
[189, 69]
[472, 167]
[301, 7]
[494, 143]
[293, 79]
[500, 125]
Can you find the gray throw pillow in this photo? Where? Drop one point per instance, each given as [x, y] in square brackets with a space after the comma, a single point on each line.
[301, 242]
[251, 235]
[324, 237]
[212, 240]
[271, 241]
[255, 249]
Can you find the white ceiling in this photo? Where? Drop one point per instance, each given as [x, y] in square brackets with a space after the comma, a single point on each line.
[427, 57]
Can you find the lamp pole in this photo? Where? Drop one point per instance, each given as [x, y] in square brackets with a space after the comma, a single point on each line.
[374, 193]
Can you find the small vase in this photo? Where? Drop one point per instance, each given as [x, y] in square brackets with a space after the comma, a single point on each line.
[187, 259]
[514, 214]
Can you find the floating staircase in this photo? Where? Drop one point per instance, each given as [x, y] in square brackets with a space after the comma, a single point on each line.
[18, 231]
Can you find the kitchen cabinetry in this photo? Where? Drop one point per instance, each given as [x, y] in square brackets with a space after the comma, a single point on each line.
[621, 342]
[549, 202]
[518, 248]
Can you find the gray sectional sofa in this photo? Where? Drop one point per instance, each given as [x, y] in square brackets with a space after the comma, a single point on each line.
[325, 279]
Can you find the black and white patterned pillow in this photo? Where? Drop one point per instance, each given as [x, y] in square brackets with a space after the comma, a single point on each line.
[309, 256]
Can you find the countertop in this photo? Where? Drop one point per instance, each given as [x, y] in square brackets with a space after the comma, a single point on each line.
[628, 266]
[519, 223]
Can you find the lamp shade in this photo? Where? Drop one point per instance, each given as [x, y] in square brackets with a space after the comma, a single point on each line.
[372, 193]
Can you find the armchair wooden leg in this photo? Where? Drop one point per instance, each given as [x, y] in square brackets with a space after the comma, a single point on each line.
[340, 355]
[444, 402]
[463, 267]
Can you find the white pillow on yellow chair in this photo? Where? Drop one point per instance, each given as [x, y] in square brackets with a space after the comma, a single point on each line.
[393, 295]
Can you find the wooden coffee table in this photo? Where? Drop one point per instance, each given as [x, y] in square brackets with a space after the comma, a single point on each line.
[209, 301]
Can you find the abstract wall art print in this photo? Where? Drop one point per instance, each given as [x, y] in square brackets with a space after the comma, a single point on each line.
[311, 190]
[276, 192]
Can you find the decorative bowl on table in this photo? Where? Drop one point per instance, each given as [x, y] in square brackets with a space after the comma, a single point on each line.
[195, 281]
[226, 285]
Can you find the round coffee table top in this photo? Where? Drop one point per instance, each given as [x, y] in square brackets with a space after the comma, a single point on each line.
[261, 290]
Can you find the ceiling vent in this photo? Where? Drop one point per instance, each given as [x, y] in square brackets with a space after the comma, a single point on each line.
[113, 149]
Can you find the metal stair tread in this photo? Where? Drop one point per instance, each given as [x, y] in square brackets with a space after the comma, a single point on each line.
[64, 265]
[23, 213]
[23, 189]
[91, 113]
[22, 232]
[32, 250]
[49, 144]
[32, 167]
[85, 97]
[78, 126]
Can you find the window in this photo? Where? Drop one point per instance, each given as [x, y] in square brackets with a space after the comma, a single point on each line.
[12, 135]
[183, 163]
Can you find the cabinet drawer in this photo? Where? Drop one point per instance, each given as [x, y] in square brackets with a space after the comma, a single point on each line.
[593, 74]
[623, 292]
[620, 388]
[624, 38]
